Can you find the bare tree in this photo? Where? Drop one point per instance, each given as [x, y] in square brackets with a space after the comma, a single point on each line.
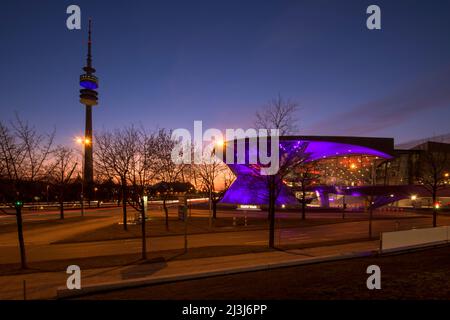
[142, 175]
[143, 165]
[434, 166]
[290, 160]
[278, 114]
[167, 172]
[63, 167]
[210, 172]
[115, 155]
[303, 177]
[23, 154]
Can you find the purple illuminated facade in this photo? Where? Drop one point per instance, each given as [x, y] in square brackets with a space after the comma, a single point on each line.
[250, 187]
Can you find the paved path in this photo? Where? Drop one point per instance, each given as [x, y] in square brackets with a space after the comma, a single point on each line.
[44, 285]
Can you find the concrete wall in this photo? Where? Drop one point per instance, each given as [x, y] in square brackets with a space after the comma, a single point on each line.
[390, 241]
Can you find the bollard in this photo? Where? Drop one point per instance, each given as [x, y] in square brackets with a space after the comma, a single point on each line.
[234, 221]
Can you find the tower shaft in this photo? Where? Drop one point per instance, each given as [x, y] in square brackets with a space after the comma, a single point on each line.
[88, 153]
[89, 98]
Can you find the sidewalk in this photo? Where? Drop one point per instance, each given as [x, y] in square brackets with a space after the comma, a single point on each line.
[45, 285]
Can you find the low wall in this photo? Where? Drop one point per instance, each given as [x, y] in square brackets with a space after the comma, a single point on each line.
[397, 240]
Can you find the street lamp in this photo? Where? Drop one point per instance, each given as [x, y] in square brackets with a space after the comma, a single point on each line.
[83, 142]
[47, 194]
[95, 197]
[217, 143]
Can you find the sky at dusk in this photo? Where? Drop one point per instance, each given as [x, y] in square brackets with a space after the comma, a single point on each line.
[168, 63]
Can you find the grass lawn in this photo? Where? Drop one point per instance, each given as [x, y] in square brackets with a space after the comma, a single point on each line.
[196, 225]
[52, 222]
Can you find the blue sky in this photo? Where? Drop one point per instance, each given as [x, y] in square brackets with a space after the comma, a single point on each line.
[168, 63]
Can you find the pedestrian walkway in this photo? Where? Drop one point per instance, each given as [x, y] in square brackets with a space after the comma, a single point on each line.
[44, 285]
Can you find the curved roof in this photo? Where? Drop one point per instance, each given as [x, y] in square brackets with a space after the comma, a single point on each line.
[385, 145]
[326, 147]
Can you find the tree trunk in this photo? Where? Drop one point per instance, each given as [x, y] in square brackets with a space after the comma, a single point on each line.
[23, 258]
[370, 218]
[303, 205]
[166, 213]
[272, 227]
[271, 218]
[61, 209]
[214, 208]
[303, 210]
[124, 204]
[344, 206]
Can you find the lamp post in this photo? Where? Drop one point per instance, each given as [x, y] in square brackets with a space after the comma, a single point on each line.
[95, 197]
[372, 195]
[47, 194]
[218, 143]
[210, 206]
[143, 218]
[83, 142]
[372, 176]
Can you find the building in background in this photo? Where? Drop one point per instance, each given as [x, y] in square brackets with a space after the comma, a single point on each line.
[346, 172]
